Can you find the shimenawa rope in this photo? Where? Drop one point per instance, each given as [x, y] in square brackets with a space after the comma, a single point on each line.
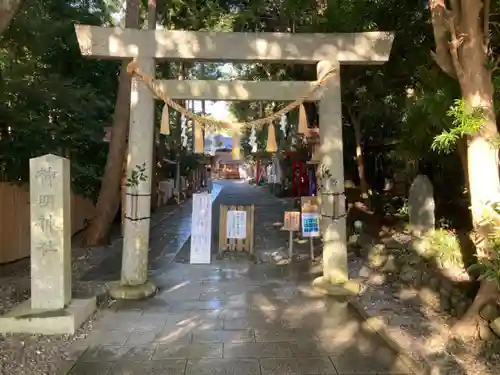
[133, 69]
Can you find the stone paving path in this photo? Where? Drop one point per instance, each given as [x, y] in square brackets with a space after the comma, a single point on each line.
[232, 317]
[269, 212]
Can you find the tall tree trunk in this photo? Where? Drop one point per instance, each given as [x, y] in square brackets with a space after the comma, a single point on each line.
[8, 9]
[477, 90]
[482, 160]
[360, 159]
[462, 154]
[152, 17]
[109, 195]
[181, 76]
[460, 40]
[203, 103]
[201, 169]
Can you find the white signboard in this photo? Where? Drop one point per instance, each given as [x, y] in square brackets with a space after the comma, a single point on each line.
[201, 229]
[310, 225]
[236, 225]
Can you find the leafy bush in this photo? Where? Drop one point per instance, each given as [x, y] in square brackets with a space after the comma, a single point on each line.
[443, 245]
[465, 122]
[404, 209]
[488, 267]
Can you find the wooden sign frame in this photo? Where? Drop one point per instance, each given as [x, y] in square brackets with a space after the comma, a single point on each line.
[309, 205]
[233, 244]
[291, 223]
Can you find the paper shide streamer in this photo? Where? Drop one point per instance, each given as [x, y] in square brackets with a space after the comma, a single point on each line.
[184, 137]
[253, 139]
[283, 125]
[212, 143]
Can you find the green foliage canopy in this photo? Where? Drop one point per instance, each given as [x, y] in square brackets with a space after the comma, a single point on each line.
[53, 100]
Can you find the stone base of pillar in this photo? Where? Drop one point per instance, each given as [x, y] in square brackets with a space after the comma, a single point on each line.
[24, 319]
[336, 288]
[132, 292]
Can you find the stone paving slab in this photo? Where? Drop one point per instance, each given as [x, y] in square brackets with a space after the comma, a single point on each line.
[233, 317]
[277, 326]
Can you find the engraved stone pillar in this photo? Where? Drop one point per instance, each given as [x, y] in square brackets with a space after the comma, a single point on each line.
[331, 190]
[50, 199]
[134, 282]
[51, 310]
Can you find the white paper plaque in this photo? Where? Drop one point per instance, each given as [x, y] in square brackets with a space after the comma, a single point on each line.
[201, 229]
[236, 226]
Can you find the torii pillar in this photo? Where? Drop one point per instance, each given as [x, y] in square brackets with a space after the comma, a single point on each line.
[134, 283]
[331, 194]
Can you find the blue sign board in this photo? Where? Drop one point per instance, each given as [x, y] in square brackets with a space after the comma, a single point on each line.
[310, 225]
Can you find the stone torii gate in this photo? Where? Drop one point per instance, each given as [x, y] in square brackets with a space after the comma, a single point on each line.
[326, 50]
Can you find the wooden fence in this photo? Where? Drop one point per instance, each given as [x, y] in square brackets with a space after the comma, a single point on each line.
[15, 220]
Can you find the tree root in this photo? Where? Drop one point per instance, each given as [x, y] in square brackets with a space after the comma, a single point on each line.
[468, 327]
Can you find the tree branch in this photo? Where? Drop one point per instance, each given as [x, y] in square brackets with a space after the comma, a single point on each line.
[486, 24]
[8, 9]
[496, 65]
[439, 16]
[455, 43]
[350, 113]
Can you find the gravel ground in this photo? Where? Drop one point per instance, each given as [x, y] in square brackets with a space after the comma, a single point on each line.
[46, 355]
[37, 354]
[422, 328]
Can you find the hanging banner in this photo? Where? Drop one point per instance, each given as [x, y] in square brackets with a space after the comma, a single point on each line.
[236, 146]
[165, 121]
[303, 121]
[271, 139]
[198, 138]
